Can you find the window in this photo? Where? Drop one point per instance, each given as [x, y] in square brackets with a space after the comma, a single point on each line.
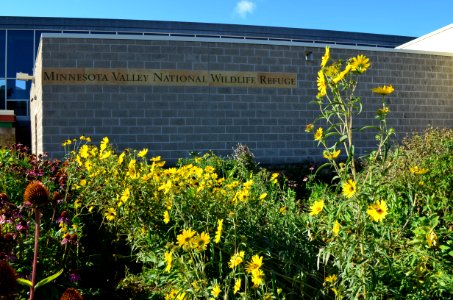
[2, 94]
[2, 53]
[20, 107]
[18, 89]
[20, 52]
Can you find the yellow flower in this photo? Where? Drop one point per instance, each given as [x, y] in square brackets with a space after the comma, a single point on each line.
[77, 203]
[331, 155]
[209, 169]
[105, 155]
[143, 152]
[263, 196]
[83, 182]
[132, 172]
[202, 241]
[336, 228]
[318, 134]
[316, 207]
[104, 143]
[383, 90]
[322, 86]
[110, 214]
[330, 279]
[377, 211]
[274, 178]
[254, 264]
[66, 143]
[283, 210]
[218, 233]
[168, 257]
[360, 63]
[84, 151]
[236, 259]
[124, 196]
[349, 188]
[237, 285]
[342, 74]
[431, 239]
[121, 158]
[166, 217]
[216, 291]
[418, 171]
[257, 278]
[185, 239]
[309, 127]
[325, 57]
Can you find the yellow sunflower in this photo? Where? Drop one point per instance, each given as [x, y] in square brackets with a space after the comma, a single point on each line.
[336, 228]
[168, 257]
[216, 291]
[202, 241]
[360, 63]
[325, 57]
[254, 264]
[218, 233]
[383, 90]
[236, 259]
[378, 210]
[110, 215]
[185, 239]
[331, 155]
[316, 207]
[309, 127]
[322, 86]
[418, 171]
[342, 74]
[237, 285]
[318, 134]
[349, 188]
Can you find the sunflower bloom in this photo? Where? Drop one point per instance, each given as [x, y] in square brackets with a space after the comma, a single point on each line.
[418, 171]
[316, 207]
[166, 217]
[168, 257]
[185, 239]
[377, 211]
[322, 86]
[110, 214]
[330, 279]
[331, 155]
[202, 241]
[309, 127]
[218, 233]
[237, 285]
[383, 111]
[216, 291]
[325, 57]
[431, 239]
[336, 228]
[349, 188]
[143, 153]
[360, 63]
[383, 90]
[257, 277]
[104, 143]
[254, 264]
[236, 259]
[342, 74]
[318, 134]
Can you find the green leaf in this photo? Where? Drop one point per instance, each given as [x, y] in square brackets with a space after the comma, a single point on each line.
[48, 279]
[444, 248]
[450, 253]
[368, 127]
[23, 281]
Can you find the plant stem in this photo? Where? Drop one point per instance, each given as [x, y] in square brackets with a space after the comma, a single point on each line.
[35, 254]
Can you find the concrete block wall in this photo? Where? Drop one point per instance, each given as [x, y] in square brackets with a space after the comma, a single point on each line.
[174, 121]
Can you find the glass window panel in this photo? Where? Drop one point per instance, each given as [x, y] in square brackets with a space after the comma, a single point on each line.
[20, 107]
[18, 89]
[2, 52]
[2, 94]
[20, 52]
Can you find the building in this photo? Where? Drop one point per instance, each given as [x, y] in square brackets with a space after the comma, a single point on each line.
[181, 87]
[19, 41]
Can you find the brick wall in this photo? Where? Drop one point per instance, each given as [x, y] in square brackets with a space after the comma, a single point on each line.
[174, 121]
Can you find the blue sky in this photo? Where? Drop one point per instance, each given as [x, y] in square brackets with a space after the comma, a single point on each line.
[398, 17]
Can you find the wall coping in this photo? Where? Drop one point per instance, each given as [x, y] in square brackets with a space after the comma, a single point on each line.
[239, 40]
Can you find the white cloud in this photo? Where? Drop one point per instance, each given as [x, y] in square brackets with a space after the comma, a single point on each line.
[244, 7]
